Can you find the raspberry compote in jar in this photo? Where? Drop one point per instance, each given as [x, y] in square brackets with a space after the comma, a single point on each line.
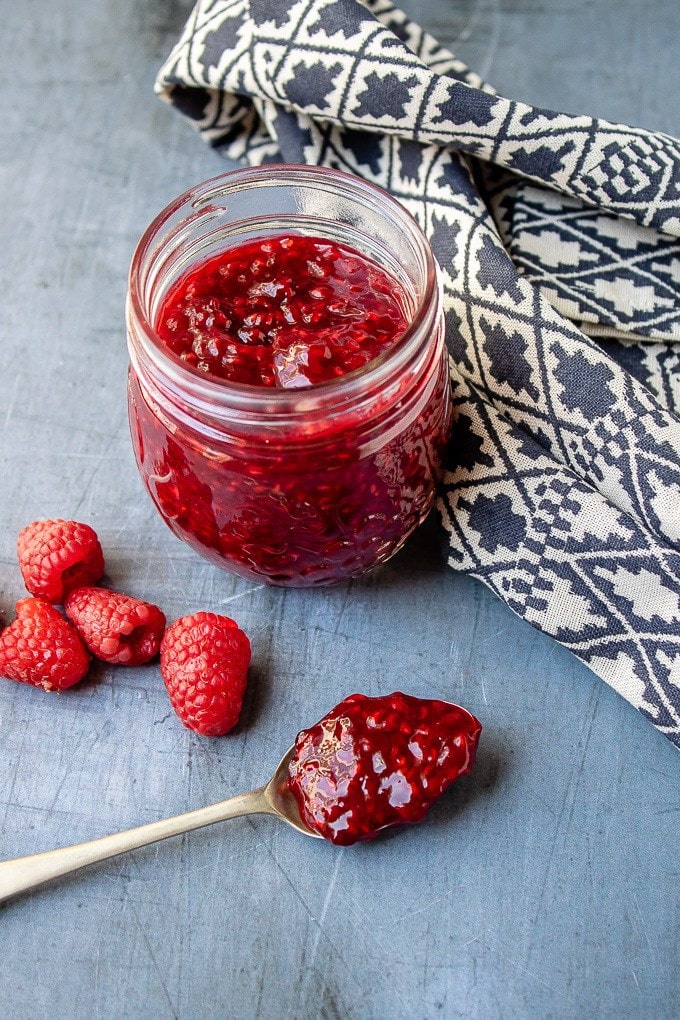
[288, 390]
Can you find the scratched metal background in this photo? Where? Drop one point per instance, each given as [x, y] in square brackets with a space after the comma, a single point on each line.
[545, 884]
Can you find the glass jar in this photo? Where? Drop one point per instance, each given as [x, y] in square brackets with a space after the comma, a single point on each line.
[290, 487]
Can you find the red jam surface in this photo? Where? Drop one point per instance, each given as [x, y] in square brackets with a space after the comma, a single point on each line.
[284, 311]
[322, 498]
[376, 762]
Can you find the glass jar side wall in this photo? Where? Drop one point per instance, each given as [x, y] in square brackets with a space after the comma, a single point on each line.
[291, 516]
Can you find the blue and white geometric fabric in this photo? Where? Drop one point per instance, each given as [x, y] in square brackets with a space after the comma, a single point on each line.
[563, 489]
[613, 276]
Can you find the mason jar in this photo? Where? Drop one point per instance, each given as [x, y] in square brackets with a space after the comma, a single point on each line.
[291, 487]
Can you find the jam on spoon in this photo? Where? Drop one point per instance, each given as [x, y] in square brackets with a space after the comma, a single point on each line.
[369, 763]
[376, 762]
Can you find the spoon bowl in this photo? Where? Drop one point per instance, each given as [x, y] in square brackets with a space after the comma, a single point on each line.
[281, 801]
[274, 798]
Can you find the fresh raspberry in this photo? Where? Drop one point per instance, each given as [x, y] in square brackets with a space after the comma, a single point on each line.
[42, 648]
[116, 628]
[58, 556]
[204, 662]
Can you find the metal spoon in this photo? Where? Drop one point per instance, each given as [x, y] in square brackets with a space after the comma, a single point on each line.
[273, 799]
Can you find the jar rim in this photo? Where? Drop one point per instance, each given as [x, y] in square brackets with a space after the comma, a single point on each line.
[213, 392]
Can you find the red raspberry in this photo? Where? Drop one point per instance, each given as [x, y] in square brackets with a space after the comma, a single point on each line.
[58, 556]
[204, 662]
[116, 628]
[41, 648]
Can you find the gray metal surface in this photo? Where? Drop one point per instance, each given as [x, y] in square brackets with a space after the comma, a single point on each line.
[544, 884]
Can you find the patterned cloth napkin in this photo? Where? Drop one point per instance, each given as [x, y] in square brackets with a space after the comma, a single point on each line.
[559, 243]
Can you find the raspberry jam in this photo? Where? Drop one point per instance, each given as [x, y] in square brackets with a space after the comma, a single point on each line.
[284, 311]
[377, 762]
[288, 390]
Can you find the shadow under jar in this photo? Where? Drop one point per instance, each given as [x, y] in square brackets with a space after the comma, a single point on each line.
[303, 486]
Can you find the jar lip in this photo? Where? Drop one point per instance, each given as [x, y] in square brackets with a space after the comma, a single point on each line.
[210, 389]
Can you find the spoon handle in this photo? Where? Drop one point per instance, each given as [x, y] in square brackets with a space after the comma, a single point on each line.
[27, 872]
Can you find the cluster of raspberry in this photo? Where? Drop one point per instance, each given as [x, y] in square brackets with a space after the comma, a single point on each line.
[204, 657]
